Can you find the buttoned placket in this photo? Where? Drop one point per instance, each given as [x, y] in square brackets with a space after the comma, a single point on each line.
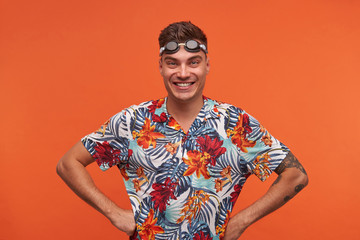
[203, 116]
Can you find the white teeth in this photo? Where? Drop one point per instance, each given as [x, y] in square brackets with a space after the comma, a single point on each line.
[183, 84]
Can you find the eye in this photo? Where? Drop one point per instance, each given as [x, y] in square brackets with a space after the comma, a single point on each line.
[194, 62]
[171, 63]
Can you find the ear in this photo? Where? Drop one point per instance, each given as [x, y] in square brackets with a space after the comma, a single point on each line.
[207, 65]
[160, 66]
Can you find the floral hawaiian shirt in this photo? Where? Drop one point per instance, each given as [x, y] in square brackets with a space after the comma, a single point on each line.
[183, 185]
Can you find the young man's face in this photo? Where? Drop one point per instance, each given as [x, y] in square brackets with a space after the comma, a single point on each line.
[184, 74]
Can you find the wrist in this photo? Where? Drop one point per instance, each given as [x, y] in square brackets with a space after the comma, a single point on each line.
[112, 212]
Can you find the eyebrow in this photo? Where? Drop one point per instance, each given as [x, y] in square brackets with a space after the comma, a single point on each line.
[175, 59]
[197, 56]
[169, 58]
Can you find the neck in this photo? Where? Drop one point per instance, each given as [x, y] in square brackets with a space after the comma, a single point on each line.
[184, 112]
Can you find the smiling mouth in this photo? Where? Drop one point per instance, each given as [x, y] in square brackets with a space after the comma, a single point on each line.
[184, 84]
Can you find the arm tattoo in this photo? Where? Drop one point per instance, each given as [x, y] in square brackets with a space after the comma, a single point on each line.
[290, 161]
[298, 188]
[287, 198]
[276, 180]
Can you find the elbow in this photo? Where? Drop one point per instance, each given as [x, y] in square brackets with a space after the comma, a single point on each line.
[59, 168]
[302, 180]
[296, 177]
[305, 179]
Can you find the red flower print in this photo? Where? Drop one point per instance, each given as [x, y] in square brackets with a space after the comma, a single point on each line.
[262, 169]
[219, 184]
[197, 163]
[221, 230]
[171, 147]
[246, 124]
[161, 118]
[234, 195]
[141, 174]
[137, 184]
[124, 174]
[105, 154]
[156, 104]
[174, 124]
[226, 173]
[130, 152]
[240, 132]
[162, 193]
[267, 140]
[202, 236]
[147, 135]
[193, 206]
[211, 148]
[148, 229]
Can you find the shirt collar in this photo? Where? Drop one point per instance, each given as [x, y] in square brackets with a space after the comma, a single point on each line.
[209, 109]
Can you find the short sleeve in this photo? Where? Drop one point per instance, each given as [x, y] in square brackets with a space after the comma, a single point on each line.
[109, 145]
[263, 153]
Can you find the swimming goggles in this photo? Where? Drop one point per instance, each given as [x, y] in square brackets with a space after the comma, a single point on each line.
[189, 45]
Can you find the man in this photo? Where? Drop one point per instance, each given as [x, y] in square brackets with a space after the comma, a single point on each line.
[184, 158]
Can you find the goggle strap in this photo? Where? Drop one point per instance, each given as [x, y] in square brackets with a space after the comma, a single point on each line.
[203, 47]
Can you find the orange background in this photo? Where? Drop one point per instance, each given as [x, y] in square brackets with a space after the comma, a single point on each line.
[67, 66]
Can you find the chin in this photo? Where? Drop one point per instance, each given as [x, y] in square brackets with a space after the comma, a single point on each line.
[185, 98]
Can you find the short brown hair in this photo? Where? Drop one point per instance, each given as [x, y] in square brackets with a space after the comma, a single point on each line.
[180, 32]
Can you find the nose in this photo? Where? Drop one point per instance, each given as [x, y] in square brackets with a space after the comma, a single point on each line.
[183, 72]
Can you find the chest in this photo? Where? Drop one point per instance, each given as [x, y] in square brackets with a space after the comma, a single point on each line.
[204, 153]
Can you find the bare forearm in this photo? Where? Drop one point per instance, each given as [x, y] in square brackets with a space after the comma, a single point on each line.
[78, 179]
[291, 180]
[72, 169]
[286, 186]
